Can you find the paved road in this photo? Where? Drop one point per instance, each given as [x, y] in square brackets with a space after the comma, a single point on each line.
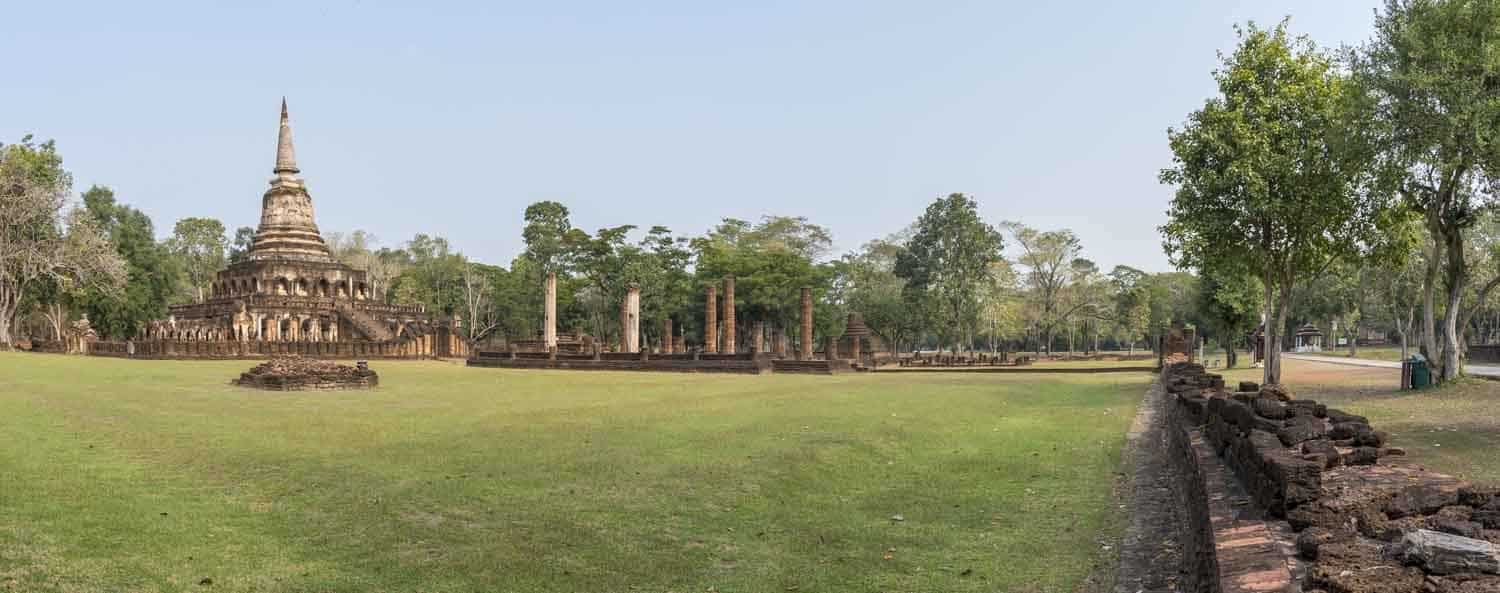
[1473, 369]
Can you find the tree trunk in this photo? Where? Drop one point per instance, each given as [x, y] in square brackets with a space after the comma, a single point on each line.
[1274, 334]
[1457, 277]
[1429, 290]
[1451, 369]
[1354, 340]
[8, 303]
[1404, 353]
[1267, 373]
[1229, 355]
[56, 317]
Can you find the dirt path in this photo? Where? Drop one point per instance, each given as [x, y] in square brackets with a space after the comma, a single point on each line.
[1150, 554]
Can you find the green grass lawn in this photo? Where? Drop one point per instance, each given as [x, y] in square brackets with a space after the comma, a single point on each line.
[1389, 353]
[1452, 429]
[123, 475]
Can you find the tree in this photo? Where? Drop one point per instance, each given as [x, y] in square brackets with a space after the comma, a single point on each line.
[1170, 302]
[1052, 267]
[1269, 174]
[39, 245]
[866, 282]
[431, 274]
[360, 250]
[1001, 307]
[1227, 309]
[1399, 288]
[946, 262]
[668, 292]
[480, 288]
[199, 244]
[546, 236]
[1431, 72]
[1132, 304]
[239, 250]
[771, 262]
[153, 276]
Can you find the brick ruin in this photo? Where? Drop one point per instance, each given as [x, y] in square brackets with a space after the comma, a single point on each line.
[302, 374]
[289, 294]
[720, 351]
[1288, 494]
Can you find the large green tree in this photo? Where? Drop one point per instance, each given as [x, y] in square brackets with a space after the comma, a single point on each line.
[1432, 69]
[1227, 309]
[46, 251]
[239, 248]
[200, 246]
[866, 282]
[1132, 305]
[153, 275]
[431, 274]
[1269, 174]
[1058, 282]
[946, 264]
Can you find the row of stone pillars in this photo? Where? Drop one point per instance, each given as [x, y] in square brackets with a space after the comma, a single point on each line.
[630, 323]
[757, 339]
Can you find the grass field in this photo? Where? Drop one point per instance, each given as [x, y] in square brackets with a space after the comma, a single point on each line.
[158, 476]
[1453, 429]
[1389, 353]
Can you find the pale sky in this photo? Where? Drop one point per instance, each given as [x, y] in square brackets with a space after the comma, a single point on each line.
[449, 118]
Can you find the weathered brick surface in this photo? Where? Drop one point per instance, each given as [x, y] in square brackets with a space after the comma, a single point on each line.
[1331, 477]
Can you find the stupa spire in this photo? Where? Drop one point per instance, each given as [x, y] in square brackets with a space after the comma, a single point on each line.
[286, 156]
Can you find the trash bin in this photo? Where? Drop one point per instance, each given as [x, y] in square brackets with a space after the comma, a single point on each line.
[1421, 374]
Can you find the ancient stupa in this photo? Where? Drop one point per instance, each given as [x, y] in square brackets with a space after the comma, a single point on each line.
[289, 287]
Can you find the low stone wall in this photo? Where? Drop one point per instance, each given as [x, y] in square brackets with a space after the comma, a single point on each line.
[1484, 353]
[741, 364]
[1200, 568]
[812, 367]
[1365, 519]
[415, 348]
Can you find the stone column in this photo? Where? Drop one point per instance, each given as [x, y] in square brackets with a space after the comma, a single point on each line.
[806, 343]
[549, 313]
[666, 336]
[631, 320]
[758, 338]
[729, 346]
[710, 321]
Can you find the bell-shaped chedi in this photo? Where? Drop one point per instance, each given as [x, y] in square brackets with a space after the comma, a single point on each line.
[287, 229]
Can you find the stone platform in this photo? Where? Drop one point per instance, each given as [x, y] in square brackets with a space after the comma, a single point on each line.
[299, 374]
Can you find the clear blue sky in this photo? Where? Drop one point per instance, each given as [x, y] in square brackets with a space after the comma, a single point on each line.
[450, 117]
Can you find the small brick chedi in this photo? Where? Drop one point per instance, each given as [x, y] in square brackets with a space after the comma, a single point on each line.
[291, 373]
[289, 288]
